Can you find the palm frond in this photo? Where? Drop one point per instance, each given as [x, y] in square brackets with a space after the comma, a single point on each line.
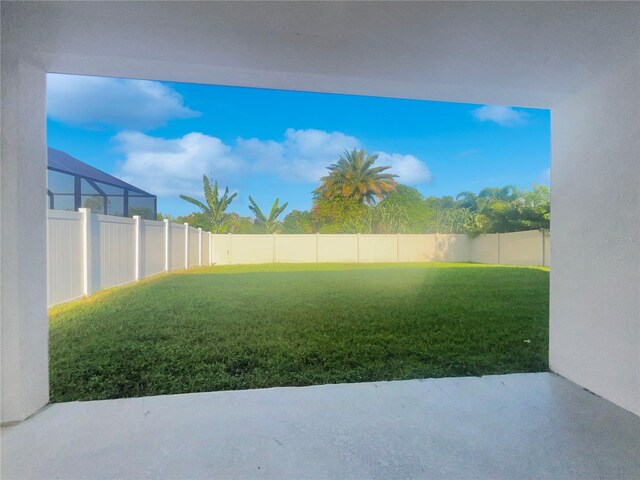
[354, 175]
[257, 211]
[196, 202]
[215, 206]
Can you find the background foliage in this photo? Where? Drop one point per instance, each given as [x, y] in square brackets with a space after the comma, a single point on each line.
[357, 197]
[407, 211]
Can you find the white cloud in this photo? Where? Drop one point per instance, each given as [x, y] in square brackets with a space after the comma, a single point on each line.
[169, 167]
[409, 169]
[122, 103]
[505, 116]
[304, 155]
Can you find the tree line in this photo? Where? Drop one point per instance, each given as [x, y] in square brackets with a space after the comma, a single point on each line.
[356, 196]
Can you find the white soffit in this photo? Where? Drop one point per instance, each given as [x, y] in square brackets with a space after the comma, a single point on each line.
[518, 53]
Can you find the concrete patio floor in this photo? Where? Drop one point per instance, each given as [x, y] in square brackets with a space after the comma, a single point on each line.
[516, 426]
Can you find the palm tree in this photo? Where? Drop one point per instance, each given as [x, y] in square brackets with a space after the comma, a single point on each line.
[467, 199]
[270, 223]
[215, 206]
[507, 193]
[354, 176]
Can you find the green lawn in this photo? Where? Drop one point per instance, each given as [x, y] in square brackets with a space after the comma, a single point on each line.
[223, 328]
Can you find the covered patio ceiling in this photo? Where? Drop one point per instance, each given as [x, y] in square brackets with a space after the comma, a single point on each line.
[511, 53]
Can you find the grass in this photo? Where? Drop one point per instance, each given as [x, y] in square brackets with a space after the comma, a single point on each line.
[238, 327]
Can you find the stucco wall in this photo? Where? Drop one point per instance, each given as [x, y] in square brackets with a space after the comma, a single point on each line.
[24, 355]
[595, 282]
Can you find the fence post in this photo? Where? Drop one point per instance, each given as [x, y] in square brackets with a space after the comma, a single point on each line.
[167, 244]
[357, 248]
[543, 240]
[87, 277]
[199, 246]
[317, 242]
[398, 247]
[499, 260]
[137, 226]
[186, 245]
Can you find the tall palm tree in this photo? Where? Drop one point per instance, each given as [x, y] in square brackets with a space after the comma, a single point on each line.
[215, 206]
[270, 223]
[354, 176]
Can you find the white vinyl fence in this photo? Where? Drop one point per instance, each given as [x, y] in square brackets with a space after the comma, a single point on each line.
[89, 252]
[519, 248]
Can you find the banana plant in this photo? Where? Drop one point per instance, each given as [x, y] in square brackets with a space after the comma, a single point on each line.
[269, 223]
[215, 205]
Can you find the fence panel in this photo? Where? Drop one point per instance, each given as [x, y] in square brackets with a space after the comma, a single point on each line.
[485, 248]
[177, 247]
[377, 248]
[152, 247]
[452, 248]
[65, 262]
[251, 249]
[295, 248]
[521, 248]
[206, 248]
[221, 249]
[416, 248]
[338, 248]
[194, 250]
[547, 250]
[114, 242]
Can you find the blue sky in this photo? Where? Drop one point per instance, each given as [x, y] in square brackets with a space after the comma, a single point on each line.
[163, 137]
